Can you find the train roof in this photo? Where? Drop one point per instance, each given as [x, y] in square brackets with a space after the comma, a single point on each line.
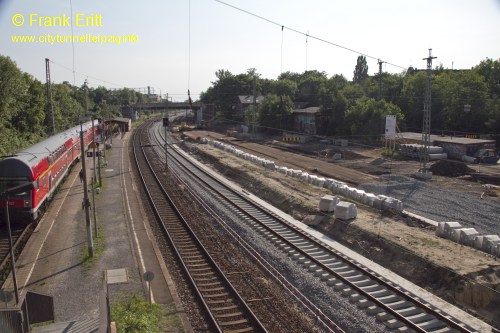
[33, 154]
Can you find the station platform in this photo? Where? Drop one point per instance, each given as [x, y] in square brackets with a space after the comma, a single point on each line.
[54, 263]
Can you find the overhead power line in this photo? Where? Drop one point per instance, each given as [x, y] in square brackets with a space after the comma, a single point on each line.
[307, 35]
[87, 76]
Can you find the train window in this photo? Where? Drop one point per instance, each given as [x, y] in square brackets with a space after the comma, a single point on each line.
[44, 181]
[10, 182]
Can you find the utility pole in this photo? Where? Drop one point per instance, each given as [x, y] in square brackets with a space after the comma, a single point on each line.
[50, 106]
[380, 62]
[86, 202]
[254, 104]
[424, 173]
[166, 123]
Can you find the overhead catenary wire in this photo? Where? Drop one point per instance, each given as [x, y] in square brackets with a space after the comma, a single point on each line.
[86, 75]
[307, 34]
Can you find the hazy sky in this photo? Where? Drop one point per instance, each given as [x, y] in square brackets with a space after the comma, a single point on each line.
[182, 43]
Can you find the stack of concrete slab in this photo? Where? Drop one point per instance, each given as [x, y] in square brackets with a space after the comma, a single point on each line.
[328, 203]
[345, 211]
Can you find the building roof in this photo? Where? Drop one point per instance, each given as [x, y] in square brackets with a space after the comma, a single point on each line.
[309, 110]
[122, 120]
[248, 99]
[445, 139]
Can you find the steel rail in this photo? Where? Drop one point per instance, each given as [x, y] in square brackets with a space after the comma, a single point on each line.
[223, 307]
[404, 295]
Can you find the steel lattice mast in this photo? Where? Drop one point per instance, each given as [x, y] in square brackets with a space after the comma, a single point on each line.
[50, 107]
[426, 125]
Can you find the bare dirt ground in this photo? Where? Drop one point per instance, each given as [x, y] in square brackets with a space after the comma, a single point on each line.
[461, 275]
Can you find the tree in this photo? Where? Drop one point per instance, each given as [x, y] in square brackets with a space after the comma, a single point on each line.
[361, 70]
[273, 113]
[333, 107]
[367, 117]
[309, 87]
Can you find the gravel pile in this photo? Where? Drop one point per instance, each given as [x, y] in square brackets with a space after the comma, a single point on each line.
[440, 204]
[450, 168]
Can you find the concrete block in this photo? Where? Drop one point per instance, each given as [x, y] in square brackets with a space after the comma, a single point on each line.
[464, 235]
[490, 243]
[321, 181]
[449, 227]
[328, 203]
[345, 211]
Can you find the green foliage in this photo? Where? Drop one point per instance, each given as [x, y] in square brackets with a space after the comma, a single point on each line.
[24, 112]
[367, 117]
[136, 315]
[273, 113]
[361, 70]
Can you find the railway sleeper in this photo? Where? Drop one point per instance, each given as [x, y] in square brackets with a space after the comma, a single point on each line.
[393, 324]
[219, 301]
[223, 296]
[333, 264]
[404, 329]
[381, 293]
[390, 299]
[384, 316]
[400, 305]
[373, 288]
[318, 272]
[365, 283]
[230, 315]
[421, 318]
[364, 303]
[433, 324]
[209, 284]
[318, 254]
[355, 279]
[225, 308]
[353, 298]
[203, 265]
[339, 285]
[347, 291]
[410, 311]
[374, 309]
[234, 322]
[211, 289]
[304, 261]
[331, 281]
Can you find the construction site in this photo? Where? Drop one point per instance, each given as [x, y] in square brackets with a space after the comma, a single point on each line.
[408, 237]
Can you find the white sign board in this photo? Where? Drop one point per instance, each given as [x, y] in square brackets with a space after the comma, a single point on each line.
[390, 127]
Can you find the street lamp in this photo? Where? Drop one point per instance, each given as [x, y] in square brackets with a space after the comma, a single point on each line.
[5, 196]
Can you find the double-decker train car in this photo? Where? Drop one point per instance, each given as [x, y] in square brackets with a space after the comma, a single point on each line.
[44, 164]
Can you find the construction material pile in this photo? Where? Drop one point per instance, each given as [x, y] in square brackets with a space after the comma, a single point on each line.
[450, 168]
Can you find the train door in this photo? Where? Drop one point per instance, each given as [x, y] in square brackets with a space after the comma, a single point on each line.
[50, 181]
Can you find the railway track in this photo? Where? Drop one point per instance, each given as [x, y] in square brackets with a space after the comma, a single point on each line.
[396, 308]
[20, 233]
[225, 308]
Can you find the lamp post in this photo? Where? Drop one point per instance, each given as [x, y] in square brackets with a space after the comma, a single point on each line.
[12, 191]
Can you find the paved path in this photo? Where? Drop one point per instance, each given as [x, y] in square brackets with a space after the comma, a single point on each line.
[52, 262]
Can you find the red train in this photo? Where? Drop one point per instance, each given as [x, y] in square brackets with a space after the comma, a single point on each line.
[44, 164]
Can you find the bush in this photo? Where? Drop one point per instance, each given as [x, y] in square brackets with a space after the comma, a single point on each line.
[134, 314]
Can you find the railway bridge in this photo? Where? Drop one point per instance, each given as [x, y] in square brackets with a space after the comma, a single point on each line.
[167, 106]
